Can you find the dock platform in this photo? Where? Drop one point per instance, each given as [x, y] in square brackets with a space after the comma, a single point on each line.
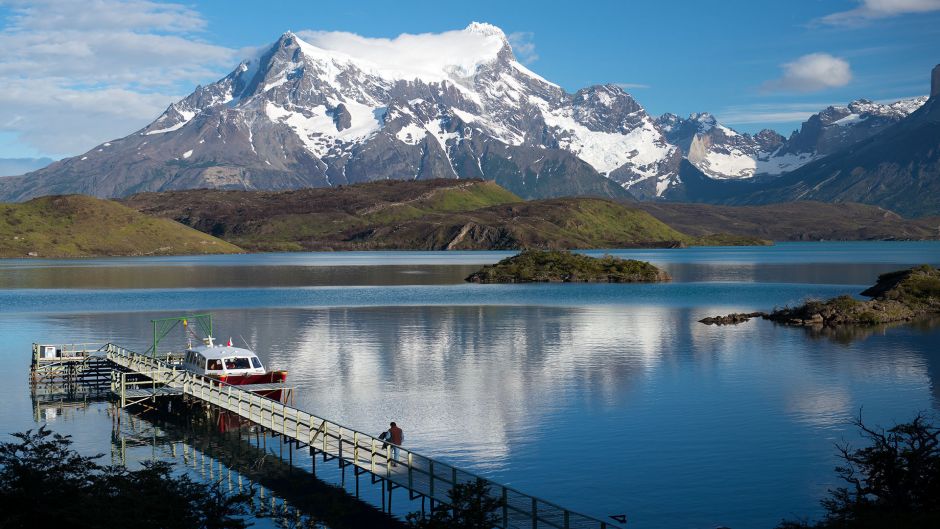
[137, 378]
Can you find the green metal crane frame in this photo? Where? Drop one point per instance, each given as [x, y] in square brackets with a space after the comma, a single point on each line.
[163, 326]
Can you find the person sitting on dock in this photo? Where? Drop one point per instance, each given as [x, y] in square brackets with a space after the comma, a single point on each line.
[395, 437]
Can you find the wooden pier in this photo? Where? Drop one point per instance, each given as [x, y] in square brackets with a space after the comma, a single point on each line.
[137, 378]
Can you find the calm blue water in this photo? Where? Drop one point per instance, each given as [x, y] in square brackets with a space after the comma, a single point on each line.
[607, 399]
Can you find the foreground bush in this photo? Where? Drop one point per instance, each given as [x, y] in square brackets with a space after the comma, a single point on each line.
[892, 483]
[470, 507]
[45, 483]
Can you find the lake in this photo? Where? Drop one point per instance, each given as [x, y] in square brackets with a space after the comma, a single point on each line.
[607, 399]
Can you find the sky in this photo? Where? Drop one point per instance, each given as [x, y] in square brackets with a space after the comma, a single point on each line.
[74, 74]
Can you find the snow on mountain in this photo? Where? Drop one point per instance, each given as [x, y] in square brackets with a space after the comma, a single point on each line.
[836, 127]
[331, 108]
[334, 108]
[723, 153]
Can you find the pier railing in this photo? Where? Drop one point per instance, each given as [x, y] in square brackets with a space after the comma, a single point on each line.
[419, 474]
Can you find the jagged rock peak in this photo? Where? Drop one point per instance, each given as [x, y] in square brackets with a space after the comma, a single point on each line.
[705, 120]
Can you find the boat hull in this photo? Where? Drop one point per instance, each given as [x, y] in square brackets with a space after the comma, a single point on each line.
[271, 377]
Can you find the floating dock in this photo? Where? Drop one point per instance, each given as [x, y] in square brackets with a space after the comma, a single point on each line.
[137, 379]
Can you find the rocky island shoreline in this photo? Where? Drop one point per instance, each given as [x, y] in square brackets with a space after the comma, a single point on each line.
[899, 296]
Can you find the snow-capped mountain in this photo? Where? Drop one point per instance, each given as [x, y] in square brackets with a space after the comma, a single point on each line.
[722, 153]
[897, 168]
[325, 109]
[837, 127]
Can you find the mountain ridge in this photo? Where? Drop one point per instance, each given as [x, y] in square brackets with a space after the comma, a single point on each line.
[336, 110]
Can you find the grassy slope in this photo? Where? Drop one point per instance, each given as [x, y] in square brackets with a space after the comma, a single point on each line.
[794, 221]
[428, 215]
[314, 218]
[82, 226]
[326, 223]
[556, 223]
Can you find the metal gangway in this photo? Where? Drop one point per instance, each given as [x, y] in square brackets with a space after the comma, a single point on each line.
[420, 475]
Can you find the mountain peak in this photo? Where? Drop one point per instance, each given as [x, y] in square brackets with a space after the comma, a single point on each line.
[287, 39]
[484, 28]
[705, 120]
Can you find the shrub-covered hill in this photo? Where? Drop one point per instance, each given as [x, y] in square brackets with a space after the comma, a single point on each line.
[560, 266]
[82, 226]
[417, 215]
[316, 218]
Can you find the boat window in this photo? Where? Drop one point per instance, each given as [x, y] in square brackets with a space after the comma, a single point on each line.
[237, 363]
[214, 365]
[257, 363]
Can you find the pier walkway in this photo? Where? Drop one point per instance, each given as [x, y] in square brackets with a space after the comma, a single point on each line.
[420, 475]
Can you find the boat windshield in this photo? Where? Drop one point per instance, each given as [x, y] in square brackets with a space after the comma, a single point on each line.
[257, 363]
[239, 362]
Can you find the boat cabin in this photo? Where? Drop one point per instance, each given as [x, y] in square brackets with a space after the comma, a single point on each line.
[222, 360]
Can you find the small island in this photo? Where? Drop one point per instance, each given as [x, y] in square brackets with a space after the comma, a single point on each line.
[531, 266]
[897, 296]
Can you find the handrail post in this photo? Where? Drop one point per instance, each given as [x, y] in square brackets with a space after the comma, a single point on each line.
[505, 508]
[410, 472]
[431, 487]
[535, 513]
[373, 456]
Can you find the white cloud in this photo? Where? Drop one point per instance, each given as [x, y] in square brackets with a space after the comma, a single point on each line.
[79, 73]
[63, 121]
[811, 73]
[523, 46]
[874, 9]
[628, 86]
[439, 55]
[769, 113]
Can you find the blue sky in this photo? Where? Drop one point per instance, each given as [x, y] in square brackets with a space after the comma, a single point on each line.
[79, 73]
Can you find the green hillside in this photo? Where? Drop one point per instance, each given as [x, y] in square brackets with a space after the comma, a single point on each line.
[417, 215]
[82, 226]
[565, 223]
[316, 218]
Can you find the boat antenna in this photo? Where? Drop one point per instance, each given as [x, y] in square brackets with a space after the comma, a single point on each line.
[249, 347]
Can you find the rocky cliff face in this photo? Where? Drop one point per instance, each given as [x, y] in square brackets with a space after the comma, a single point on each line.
[935, 81]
